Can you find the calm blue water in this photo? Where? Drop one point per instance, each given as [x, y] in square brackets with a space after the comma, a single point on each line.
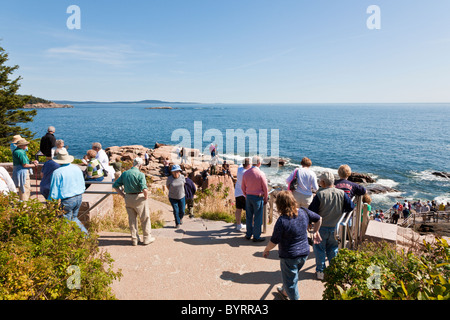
[401, 144]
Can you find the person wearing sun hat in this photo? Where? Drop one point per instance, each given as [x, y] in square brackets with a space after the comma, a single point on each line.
[21, 169]
[13, 143]
[67, 184]
[175, 183]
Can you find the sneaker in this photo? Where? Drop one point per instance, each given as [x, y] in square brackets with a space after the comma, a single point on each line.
[282, 292]
[319, 275]
[240, 226]
[148, 241]
[134, 242]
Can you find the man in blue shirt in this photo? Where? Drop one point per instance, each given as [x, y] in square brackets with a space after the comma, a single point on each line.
[68, 185]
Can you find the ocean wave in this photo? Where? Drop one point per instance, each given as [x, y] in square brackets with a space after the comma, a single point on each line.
[444, 198]
[387, 183]
[427, 175]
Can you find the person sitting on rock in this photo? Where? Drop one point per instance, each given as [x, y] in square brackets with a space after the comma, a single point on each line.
[226, 169]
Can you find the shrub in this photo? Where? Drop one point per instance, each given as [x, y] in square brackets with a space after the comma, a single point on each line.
[38, 250]
[211, 203]
[33, 149]
[378, 271]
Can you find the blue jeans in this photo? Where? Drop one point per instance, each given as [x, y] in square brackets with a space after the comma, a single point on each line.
[71, 206]
[327, 248]
[178, 207]
[254, 208]
[289, 274]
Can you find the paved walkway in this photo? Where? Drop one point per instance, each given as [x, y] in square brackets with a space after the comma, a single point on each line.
[204, 260]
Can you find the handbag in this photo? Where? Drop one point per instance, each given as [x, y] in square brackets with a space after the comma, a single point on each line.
[294, 182]
[105, 172]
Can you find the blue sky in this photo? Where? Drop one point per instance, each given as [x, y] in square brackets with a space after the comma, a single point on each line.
[230, 51]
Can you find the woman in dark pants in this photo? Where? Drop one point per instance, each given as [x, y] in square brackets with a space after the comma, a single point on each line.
[291, 235]
[175, 183]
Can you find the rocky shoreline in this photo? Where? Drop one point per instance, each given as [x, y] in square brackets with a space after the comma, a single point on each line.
[47, 106]
[200, 163]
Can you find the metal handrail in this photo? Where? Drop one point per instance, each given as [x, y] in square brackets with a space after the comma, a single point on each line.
[105, 193]
[353, 231]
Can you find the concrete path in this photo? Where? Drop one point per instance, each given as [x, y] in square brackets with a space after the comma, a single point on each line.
[204, 260]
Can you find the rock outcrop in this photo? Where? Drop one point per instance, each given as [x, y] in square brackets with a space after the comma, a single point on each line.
[441, 174]
[195, 165]
[361, 178]
[51, 105]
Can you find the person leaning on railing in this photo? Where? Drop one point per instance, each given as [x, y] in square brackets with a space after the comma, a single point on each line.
[21, 169]
[135, 193]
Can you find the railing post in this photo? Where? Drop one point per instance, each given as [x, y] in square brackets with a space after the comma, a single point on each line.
[357, 224]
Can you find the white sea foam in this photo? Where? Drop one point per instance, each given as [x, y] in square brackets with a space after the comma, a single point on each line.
[387, 182]
[444, 198]
[427, 175]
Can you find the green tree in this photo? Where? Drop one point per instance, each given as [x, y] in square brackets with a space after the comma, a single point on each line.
[11, 104]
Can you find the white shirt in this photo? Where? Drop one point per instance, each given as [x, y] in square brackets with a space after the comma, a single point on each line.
[237, 188]
[6, 183]
[307, 181]
[102, 157]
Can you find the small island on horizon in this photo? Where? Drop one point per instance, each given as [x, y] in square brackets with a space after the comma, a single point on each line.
[32, 102]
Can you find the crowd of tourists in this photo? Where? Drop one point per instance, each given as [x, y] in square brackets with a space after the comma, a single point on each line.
[310, 204]
[404, 210]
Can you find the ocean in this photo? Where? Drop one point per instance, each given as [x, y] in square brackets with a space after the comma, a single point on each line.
[399, 144]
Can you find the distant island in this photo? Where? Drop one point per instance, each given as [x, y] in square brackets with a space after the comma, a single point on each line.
[122, 102]
[32, 102]
[170, 108]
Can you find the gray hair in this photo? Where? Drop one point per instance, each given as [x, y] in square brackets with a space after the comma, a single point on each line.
[97, 145]
[138, 162]
[256, 160]
[51, 129]
[328, 178]
[60, 142]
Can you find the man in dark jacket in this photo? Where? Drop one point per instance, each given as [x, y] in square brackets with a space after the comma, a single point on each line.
[189, 190]
[48, 142]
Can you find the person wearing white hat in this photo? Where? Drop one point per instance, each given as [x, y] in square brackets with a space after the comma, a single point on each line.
[21, 168]
[135, 193]
[67, 184]
[13, 143]
[175, 183]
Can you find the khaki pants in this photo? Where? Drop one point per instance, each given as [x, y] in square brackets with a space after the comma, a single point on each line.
[137, 206]
[302, 200]
[24, 196]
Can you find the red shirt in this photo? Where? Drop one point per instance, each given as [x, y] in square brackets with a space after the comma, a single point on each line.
[254, 183]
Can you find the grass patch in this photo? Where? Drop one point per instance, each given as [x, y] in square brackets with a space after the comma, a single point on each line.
[212, 204]
[118, 220]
